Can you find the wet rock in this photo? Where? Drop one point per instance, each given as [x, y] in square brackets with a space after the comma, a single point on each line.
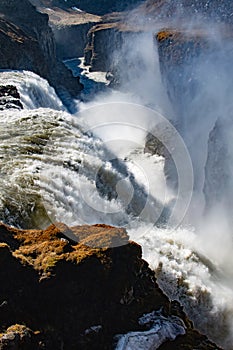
[193, 64]
[9, 98]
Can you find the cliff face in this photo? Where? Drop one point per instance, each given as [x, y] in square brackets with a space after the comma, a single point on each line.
[108, 50]
[197, 72]
[27, 43]
[107, 37]
[103, 41]
[70, 288]
[69, 26]
[179, 53]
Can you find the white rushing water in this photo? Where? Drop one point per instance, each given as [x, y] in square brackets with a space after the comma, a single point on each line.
[54, 169]
[35, 92]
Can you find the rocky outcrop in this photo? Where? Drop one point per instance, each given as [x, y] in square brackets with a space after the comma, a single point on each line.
[103, 40]
[9, 98]
[78, 287]
[196, 70]
[70, 27]
[179, 54]
[107, 48]
[27, 43]
[218, 168]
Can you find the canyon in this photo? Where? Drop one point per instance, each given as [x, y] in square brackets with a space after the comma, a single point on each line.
[87, 286]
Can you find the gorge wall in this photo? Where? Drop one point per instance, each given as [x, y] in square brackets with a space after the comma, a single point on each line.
[197, 73]
[27, 43]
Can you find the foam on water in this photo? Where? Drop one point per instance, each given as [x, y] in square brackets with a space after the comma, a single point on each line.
[50, 165]
[35, 92]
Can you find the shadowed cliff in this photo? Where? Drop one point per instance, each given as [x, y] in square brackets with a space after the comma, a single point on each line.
[27, 43]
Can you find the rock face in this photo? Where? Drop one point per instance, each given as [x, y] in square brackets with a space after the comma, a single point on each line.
[76, 288]
[27, 43]
[197, 73]
[9, 98]
[103, 40]
[108, 48]
[71, 40]
[70, 27]
[179, 51]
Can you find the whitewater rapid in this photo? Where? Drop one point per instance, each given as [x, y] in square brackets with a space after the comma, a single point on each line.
[53, 169]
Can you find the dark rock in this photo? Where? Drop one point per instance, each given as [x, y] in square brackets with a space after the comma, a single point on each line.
[178, 53]
[218, 181]
[27, 43]
[18, 337]
[75, 295]
[107, 50]
[71, 40]
[9, 98]
[103, 40]
[157, 145]
[69, 27]
[193, 64]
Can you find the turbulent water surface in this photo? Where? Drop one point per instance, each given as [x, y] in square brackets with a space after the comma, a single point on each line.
[61, 167]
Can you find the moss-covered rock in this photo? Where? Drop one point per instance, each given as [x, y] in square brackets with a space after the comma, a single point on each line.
[75, 288]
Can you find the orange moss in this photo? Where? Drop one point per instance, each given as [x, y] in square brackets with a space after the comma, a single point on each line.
[165, 34]
[43, 249]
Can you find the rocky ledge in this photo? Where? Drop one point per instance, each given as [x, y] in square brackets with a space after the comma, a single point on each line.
[76, 288]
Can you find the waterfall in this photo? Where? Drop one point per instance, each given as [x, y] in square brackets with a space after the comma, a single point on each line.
[35, 92]
[76, 169]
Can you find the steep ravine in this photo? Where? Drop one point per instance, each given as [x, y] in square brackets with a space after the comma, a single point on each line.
[27, 43]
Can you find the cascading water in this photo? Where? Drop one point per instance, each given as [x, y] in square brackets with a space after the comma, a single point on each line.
[35, 92]
[54, 169]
